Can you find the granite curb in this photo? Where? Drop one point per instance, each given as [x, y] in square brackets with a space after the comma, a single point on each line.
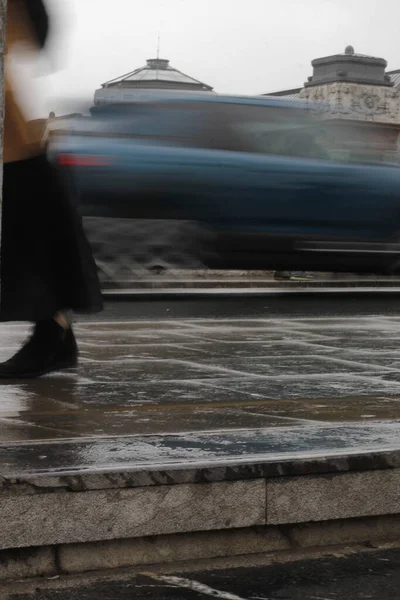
[64, 509]
[225, 282]
[79, 480]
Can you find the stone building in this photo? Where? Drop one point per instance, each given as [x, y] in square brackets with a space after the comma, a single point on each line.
[361, 101]
[157, 75]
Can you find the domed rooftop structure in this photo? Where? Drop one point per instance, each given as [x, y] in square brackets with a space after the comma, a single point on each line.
[350, 67]
[359, 100]
[156, 74]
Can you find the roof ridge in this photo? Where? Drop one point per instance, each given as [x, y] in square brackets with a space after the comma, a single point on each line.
[190, 77]
[141, 73]
[122, 77]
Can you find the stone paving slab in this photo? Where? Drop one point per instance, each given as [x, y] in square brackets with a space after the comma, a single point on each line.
[284, 380]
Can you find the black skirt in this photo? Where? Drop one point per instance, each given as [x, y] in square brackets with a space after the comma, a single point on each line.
[46, 263]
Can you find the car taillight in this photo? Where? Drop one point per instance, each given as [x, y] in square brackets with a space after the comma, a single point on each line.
[83, 160]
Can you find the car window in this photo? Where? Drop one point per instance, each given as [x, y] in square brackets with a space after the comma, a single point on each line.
[234, 127]
[276, 131]
[292, 141]
[184, 123]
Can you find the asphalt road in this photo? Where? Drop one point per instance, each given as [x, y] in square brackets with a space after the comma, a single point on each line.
[372, 575]
[313, 304]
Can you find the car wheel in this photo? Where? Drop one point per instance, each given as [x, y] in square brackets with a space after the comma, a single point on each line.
[129, 251]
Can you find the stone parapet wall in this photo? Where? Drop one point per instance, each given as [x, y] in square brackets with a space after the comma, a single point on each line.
[356, 102]
[54, 525]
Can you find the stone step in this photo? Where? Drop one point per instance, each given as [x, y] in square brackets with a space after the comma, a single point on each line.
[58, 520]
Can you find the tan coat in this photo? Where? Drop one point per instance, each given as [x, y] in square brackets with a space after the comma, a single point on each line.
[20, 141]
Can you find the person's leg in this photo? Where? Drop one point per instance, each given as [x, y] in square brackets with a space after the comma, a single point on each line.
[62, 320]
[46, 267]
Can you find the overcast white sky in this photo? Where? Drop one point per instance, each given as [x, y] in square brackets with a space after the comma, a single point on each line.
[237, 46]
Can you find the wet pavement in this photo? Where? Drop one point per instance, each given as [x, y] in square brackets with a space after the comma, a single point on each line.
[263, 385]
[369, 575]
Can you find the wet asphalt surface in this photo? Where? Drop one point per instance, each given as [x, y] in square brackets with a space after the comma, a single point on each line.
[374, 576]
[185, 381]
[314, 304]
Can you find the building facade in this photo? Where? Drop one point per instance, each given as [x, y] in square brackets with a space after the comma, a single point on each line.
[359, 99]
[147, 81]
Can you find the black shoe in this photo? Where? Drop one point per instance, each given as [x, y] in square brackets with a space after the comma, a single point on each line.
[50, 348]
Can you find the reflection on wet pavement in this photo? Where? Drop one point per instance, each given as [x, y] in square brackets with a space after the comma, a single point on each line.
[157, 377]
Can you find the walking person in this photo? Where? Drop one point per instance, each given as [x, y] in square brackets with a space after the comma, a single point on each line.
[46, 265]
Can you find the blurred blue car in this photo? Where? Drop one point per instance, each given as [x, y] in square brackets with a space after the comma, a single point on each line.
[231, 183]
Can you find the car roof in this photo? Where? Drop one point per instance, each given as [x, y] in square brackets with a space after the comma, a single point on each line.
[166, 97]
[232, 99]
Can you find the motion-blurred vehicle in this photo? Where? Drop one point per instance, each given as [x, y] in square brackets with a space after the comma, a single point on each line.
[224, 182]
